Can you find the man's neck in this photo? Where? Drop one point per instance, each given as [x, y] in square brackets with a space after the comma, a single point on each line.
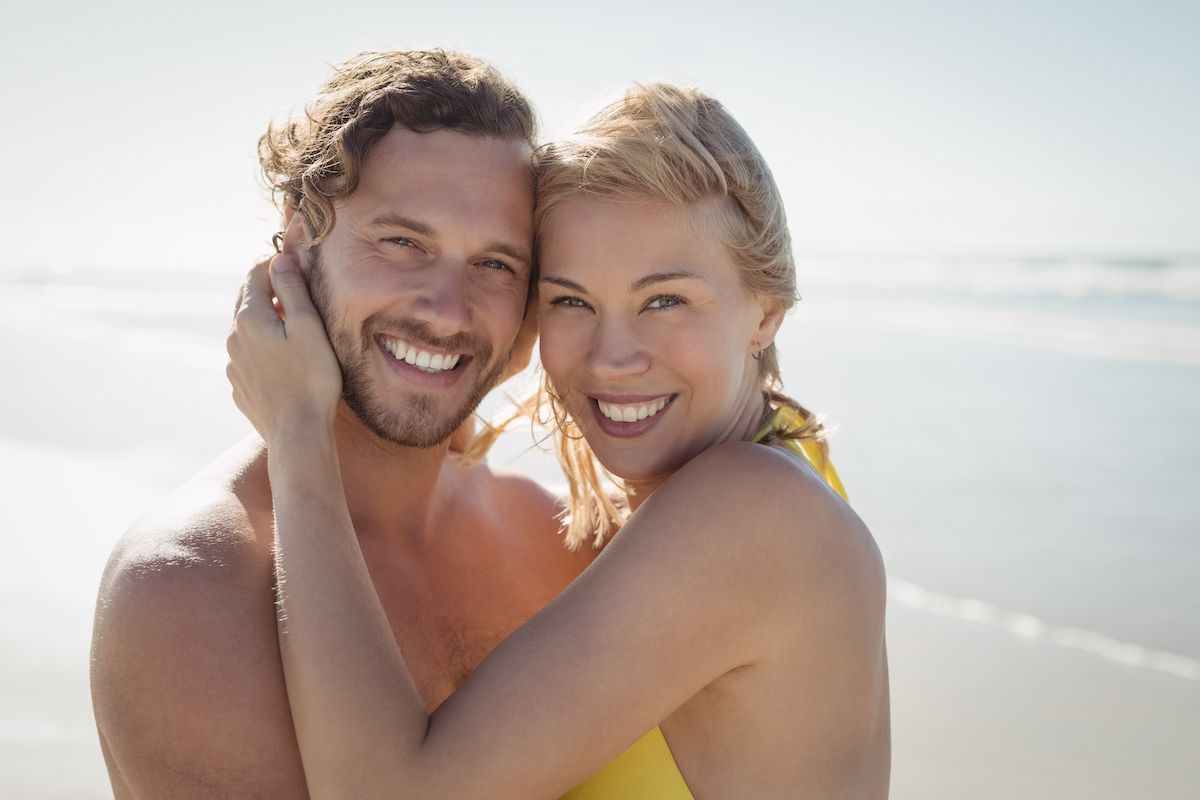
[389, 487]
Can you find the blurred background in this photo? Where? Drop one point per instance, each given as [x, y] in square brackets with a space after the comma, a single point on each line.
[996, 209]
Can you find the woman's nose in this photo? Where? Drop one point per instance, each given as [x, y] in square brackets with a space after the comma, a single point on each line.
[617, 351]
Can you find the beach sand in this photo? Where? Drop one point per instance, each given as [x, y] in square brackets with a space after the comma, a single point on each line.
[978, 711]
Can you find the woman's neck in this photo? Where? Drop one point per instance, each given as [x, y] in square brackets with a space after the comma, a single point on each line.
[747, 424]
[636, 493]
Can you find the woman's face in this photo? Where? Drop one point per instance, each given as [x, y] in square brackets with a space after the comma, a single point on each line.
[647, 333]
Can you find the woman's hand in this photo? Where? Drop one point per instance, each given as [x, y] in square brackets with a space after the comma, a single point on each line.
[283, 370]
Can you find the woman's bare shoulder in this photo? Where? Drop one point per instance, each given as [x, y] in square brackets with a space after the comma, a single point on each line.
[769, 488]
[770, 510]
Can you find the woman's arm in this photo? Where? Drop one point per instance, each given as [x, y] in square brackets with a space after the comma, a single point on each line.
[699, 583]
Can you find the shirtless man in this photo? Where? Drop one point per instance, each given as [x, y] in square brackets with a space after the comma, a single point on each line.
[408, 203]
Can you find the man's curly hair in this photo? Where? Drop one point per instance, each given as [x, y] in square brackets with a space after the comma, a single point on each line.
[312, 160]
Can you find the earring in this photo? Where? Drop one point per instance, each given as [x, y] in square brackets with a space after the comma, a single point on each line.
[758, 355]
[277, 241]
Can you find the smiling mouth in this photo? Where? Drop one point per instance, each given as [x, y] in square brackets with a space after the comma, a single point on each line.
[424, 360]
[632, 412]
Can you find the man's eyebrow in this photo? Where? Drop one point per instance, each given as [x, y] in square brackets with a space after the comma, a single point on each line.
[397, 221]
[510, 251]
[660, 277]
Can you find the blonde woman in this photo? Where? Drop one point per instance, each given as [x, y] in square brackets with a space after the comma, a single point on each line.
[728, 640]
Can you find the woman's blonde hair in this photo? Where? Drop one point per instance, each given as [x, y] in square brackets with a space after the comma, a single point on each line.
[679, 147]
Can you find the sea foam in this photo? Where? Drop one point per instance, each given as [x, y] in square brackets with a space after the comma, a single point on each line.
[1028, 626]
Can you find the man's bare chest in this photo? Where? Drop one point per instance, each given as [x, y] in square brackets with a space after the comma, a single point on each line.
[446, 620]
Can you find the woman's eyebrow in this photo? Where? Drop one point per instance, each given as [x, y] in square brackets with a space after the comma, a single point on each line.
[636, 286]
[660, 277]
[563, 282]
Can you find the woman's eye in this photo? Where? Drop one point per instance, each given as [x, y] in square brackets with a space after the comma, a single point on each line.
[568, 301]
[666, 301]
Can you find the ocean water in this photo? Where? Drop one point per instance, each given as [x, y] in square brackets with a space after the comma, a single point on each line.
[1019, 434]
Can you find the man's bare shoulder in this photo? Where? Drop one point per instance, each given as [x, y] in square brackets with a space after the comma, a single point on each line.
[504, 494]
[186, 680]
[526, 509]
[209, 529]
[522, 496]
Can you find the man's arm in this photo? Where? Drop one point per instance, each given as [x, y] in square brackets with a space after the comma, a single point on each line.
[186, 677]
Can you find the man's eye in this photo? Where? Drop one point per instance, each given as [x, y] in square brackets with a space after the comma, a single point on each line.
[666, 301]
[402, 241]
[494, 263]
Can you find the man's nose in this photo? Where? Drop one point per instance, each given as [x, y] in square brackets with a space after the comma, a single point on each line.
[443, 302]
[617, 351]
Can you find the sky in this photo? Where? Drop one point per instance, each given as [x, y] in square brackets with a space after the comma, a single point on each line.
[904, 127]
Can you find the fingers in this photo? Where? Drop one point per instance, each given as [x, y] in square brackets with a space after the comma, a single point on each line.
[259, 294]
[255, 312]
[241, 296]
[289, 288]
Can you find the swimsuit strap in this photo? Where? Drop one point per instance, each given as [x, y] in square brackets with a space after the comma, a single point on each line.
[789, 420]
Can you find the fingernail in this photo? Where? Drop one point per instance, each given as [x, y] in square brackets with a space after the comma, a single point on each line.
[282, 264]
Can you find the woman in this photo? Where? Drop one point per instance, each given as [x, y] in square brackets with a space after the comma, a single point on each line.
[737, 615]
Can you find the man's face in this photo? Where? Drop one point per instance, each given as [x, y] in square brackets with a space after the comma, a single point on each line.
[422, 283]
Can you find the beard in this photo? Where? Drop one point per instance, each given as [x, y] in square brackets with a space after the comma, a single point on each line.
[423, 421]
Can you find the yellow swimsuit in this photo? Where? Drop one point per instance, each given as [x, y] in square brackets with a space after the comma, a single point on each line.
[789, 419]
[647, 771]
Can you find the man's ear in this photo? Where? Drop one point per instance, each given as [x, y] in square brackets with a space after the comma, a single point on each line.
[768, 326]
[296, 240]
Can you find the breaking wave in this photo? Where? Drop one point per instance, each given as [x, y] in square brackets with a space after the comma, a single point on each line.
[1030, 627]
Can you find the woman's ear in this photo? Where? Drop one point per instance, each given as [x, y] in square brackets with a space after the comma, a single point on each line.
[772, 317]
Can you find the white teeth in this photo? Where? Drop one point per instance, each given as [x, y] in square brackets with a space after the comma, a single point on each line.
[631, 412]
[422, 359]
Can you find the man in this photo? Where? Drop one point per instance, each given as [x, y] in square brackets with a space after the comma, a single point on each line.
[408, 200]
